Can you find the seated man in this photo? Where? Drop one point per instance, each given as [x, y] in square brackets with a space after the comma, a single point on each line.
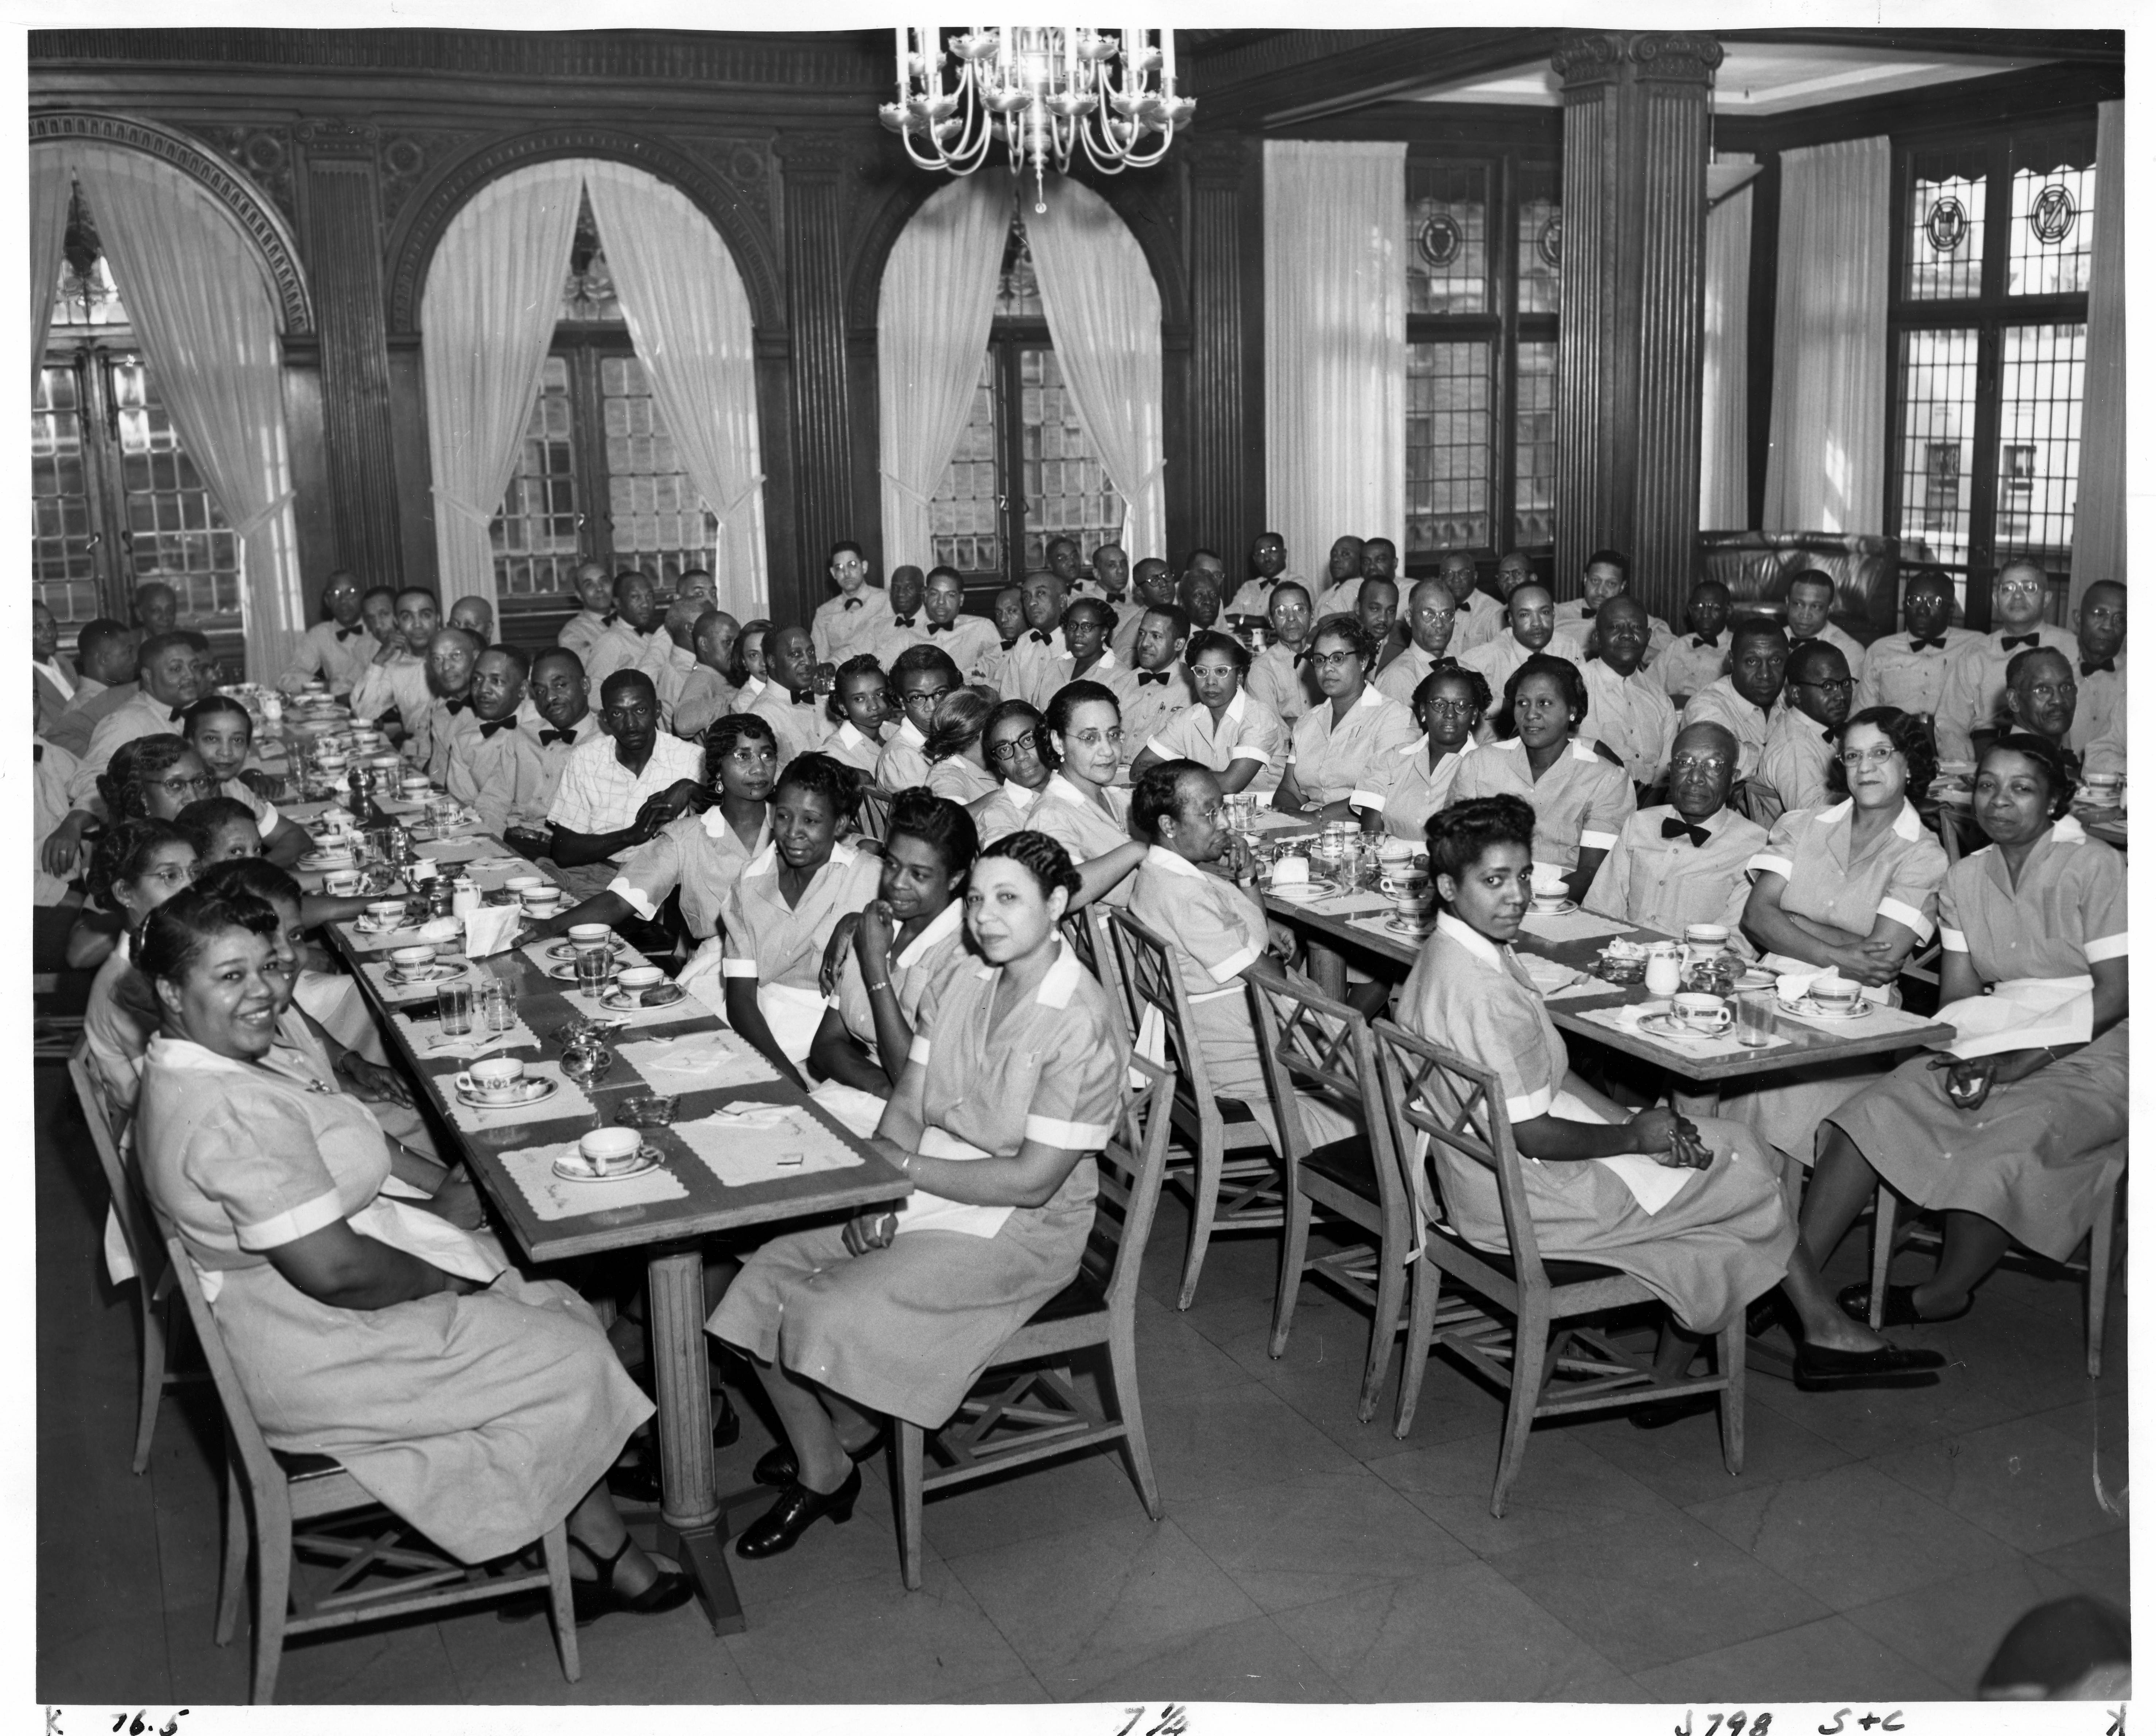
[452, 654]
[1807, 607]
[1432, 615]
[1976, 676]
[678, 628]
[105, 682]
[156, 609]
[1608, 574]
[707, 691]
[1198, 593]
[1801, 743]
[1908, 670]
[636, 639]
[790, 702]
[967, 640]
[1683, 861]
[2042, 698]
[52, 685]
[476, 616]
[1343, 578]
[1066, 560]
[497, 768]
[1479, 617]
[1531, 618]
[171, 677]
[1701, 653]
[1378, 608]
[337, 651]
[1151, 587]
[1108, 578]
[393, 690]
[1747, 701]
[595, 592]
[1029, 666]
[919, 680]
[561, 697]
[1627, 711]
[619, 788]
[908, 592]
[1280, 674]
[855, 621]
[1160, 685]
[2100, 634]
[51, 768]
[1254, 597]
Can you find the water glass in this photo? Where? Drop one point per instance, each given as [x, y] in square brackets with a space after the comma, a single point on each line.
[497, 1004]
[1755, 1017]
[594, 966]
[453, 1002]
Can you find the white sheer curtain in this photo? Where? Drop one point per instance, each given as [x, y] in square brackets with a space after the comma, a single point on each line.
[688, 317]
[52, 183]
[1826, 468]
[2100, 507]
[1104, 318]
[938, 297]
[1724, 440]
[494, 290]
[194, 286]
[1336, 344]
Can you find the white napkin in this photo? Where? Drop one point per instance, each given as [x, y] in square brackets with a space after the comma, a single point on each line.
[427, 1237]
[490, 929]
[1653, 1185]
[1547, 974]
[1782, 965]
[2033, 1013]
[1573, 925]
[765, 1141]
[552, 1198]
[703, 1060]
[428, 1042]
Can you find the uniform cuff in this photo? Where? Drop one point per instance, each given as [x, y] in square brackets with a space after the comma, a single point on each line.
[1954, 941]
[633, 896]
[738, 967]
[1764, 863]
[1908, 916]
[1526, 1108]
[1259, 754]
[2112, 946]
[1232, 967]
[917, 1050]
[1067, 1135]
[290, 1226]
[1598, 841]
[1366, 798]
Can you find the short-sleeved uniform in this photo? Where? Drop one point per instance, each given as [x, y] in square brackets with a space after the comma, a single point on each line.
[849, 746]
[905, 1329]
[142, 715]
[1279, 677]
[1413, 788]
[1691, 663]
[582, 631]
[1029, 670]
[1581, 801]
[1479, 620]
[398, 686]
[1398, 679]
[700, 855]
[2029, 1158]
[1720, 702]
[1575, 624]
[432, 736]
[623, 646]
[903, 761]
[969, 642]
[1074, 819]
[956, 778]
[1794, 761]
[1724, 1238]
[1852, 650]
[499, 771]
[1147, 703]
[1655, 880]
[780, 948]
[92, 704]
[2099, 703]
[483, 1419]
[1496, 659]
[1254, 597]
[1909, 674]
[705, 696]
[1339, 762]
[52, 770]
[1215, 934]
[1631, 716]
[118, 1020]
[1247, 729]
[1005, 812]
[265, 812]
[853, 626]
[917, 969]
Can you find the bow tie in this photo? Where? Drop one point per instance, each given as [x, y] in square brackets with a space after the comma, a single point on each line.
[1040, 637]
[546, 737]
[1928, 644]
[1676, 828]
[646, 632]
[901, 620]
[1826, 732]
[934, 627]
[346, 633]
[852, 604]
[1008, 643]
[807, 696]
[1707, 641]
[2109, 666]
[489, 730]
[2012, 641]
[1160, 676]
[451, 706]
[177, 713]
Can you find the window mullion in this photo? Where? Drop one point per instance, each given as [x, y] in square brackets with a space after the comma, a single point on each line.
[587, 440]
[101, 481]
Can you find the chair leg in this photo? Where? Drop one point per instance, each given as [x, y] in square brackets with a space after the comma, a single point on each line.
[2099, 1277]
[1123, 1401]
[1729, 1353]
[1530, 1349]
[561, 1603]
[232, 1585]
[907, 1507]
[1422, 1320]
[1295, 1252]
[273, 1595]
[1204, 1200]
[153, 1374]
[1793, 1185]
[1384, 1328]
[1882, 1251]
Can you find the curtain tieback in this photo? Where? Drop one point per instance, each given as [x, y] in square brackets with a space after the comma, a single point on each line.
[483, 518]
[254, 520]
[727, 508]
[912, 493]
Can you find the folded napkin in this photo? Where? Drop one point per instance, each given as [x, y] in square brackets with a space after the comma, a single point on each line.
[455, 849]
[552, 1198]
[429, 1044]
[569, 1103]
[2034, 1013]
[1573, 925]
[1547, 974]
[490, 929]
[1277, 822]
[703, 1060]
[1349, 904]
[1627, 1019]
[430, 1238]
[752, 1142]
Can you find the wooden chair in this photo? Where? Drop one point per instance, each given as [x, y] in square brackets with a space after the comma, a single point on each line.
[344, 1524]
[1434, 1094]
[1949, 835]
[1031, 1411]
[1313, 1046]
[145, 1253]
[872, 814]
[2105, 1248]
[52, 1035]
[1087, 932]
[1227, 1192]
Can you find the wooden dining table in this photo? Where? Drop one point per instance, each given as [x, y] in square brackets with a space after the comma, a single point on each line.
[673, 1235]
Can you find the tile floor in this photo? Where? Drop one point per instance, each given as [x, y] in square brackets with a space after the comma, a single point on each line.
[1875, 1547]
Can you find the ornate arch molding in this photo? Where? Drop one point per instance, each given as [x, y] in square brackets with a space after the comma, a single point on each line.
[426, 217]
[248, 206]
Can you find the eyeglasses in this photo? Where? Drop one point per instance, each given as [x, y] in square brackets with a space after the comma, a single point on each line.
[1450, 708]
[1334, 660]
[1095, 737]
[181, 786]
[932, 696]
[1002, 751]
[1853, 757]
[1690, 763]
[1838, 684]
[2020, 587]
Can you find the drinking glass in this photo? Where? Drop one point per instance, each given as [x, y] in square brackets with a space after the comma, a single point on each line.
[1755, 1017]
[497, 1003]
[454, 1001]
[594, 968]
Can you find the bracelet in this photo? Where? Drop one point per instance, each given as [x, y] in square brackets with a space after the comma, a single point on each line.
[873, 987]
[905, 1163]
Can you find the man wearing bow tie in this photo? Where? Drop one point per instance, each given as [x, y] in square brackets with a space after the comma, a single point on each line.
[1700, 654]
[1976, 674]
[595, 592]
[1682, 861]
[170, 675]
[707, 691]
[1908, 670]
[854, 623]
[637, 639]
[909, 623]
[1808, 607]
[452, 654]
[967, 640]
[1031, 666]
[1627, 712]
[53, 684]
[497, 768]
[475, 615]
[105, 682]
[396, 677]
[1478, 616]
[1800, 741]
[336, 652]
[1160, 685]
[1607, 574]
[1151, 586]
[561, 696]
[2100, 632]
[790, 702]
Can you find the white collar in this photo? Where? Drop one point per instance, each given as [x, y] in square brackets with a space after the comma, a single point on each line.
[1583, 750]
[189, 1055]
[907, 734]
[754, 686]
[942, 928]
[715, 825]
[1058, 985]
[1371, 698]
[853, 738]
[1019, 797]
[1062, 786]
[2066, 829]
[765, 861]
[1481, 945]
[1908, 825]
[1167, 861]
[1234, 713]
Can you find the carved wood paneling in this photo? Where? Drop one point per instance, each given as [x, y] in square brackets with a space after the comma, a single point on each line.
[1219, 507]
[811, 168]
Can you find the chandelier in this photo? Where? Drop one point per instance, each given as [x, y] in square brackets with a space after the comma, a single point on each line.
[1047, 91]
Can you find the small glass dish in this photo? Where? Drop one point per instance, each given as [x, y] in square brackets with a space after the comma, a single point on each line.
[647, 1109]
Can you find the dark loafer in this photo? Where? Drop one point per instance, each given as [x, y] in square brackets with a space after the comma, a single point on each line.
[1818, 1370]
[793, 1512]
[1901, 1310]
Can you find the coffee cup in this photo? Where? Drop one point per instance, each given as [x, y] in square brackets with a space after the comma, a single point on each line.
[343, 882]
[387, 913]
[2101, 788]
[409, 959]
[610, 1149]
[637, 978]
[1831, 994]
[414, 790]
[1546, 903]
[1706, 937]
[589, 936]
[523, 884]
[1291, 871]
[499, 1077]
[541, 901]
[332, 765]
[1707, 1013]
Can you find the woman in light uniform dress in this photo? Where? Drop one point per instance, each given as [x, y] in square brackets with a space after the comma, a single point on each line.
[1079, 807]
[1338, 745]
[1416, 782]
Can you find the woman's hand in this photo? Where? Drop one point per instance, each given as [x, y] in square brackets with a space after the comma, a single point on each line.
[1872, 962]
[834, 953]
[872, 941]
[869, 1230]
[373, 1084]
[458, 1202]
[1670, 1139]
[1969, 1083]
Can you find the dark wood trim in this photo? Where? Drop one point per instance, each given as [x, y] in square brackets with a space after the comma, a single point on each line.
[2008, 97]
[1530, 129]
[2098, 46]
[1303, 75]
[1759, 335]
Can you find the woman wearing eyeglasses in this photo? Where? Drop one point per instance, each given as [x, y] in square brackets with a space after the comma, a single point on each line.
[1417, 780]
[1230, 730]
[1013, 742]
[1340, 744]
[1079, 806]
[138, 865]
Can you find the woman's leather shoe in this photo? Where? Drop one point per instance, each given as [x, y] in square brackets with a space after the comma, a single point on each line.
[1900, 1309]
[594, 1598]
[1818, 1370]
[793, 1512]
[778, 1468]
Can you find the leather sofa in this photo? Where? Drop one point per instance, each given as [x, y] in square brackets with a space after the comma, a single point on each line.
[1757, 565]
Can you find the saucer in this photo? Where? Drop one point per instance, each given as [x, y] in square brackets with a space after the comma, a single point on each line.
[1661, 1025]
[629, 1000]
[426, 974]
[568, 949]
[572, 1168]
[533, 1091]
[567, 974]
[1812, 1010]
[1564, 909]
[328, 861]
[1303, 891]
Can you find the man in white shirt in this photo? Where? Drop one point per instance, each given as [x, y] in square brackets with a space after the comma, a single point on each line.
[1608, 574]
[1279, 675]
[707, 691]
[1254, 597]
[1378, 610]
[595, 592]
[1479, 617]
[171, 681]
[105, 682]
[637, 639]
[970, 642]
[1151, 587]
[919, 680]
[452, 654]
[1067, 561]
[1807, 605]
[475, 615]
[1746, 701]
[1008, 610]
[1800, 742]
[1627, 711]
[1108, 577]
[1029, 666]
[337, 651]
[560, 695]
[1908, 670]
[619, 788]
[1201, 589]
[1976, 676]
[854, 623]
[52, 769]
[1701, 656]
[1343, 578]
[908, 626]
[1160, 685]
[2100, 637]
[1683, 861]
[1433, 617]
[790, 702]
[396, 679]
[53, 688]
[1531, 616]
[496, 767]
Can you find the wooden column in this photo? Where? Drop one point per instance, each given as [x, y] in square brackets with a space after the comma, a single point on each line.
[1636, 110]
[816, 313]
[1224, 438]
[344, 250]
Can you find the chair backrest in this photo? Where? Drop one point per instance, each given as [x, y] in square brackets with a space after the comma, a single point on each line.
[1151, 982]
[1312, 1046]
[263, 1470]
[872, 812]
[1131, 1166]
[137, 1230]
[1087, 932]
[1949, 835]
[1432, 1094]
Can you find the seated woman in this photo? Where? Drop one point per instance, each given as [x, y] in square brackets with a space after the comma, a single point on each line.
[480, 1406]
[1339, 745]
[1417, 780]
[1721, 1239]
[700, 855]
[890, 957]
[220, 829]
[1011, 741]
[1581, 800]
[958, 764]
[1230, 729]
[150, 777]
[2003, 1144]
[859, 705]
[1079, 807]
[1014, 1080]
[776, 918]
[1853, 887]
[138, 865]
[222, 732]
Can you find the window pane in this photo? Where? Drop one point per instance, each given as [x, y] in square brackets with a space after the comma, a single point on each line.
[179, 535]
[1447, 252]
[1939, 421]
[1067, 491]
[588, 296]
[659, 521]
[2054, 217]
[963, 528]
[1018, 290]
[1448, 446]
[1542, 240]
[2040, 440]
[1534, 449]
[63, 571]
[535, 546]
[1946, 223]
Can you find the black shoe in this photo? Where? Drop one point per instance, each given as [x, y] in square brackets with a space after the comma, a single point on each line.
[1663, 1412]
[1818, 1370]
[778, 1468]
[1764, 1314]
[594, 1598]
[639, 1482]
[793, 1512]
[1900, 1309]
